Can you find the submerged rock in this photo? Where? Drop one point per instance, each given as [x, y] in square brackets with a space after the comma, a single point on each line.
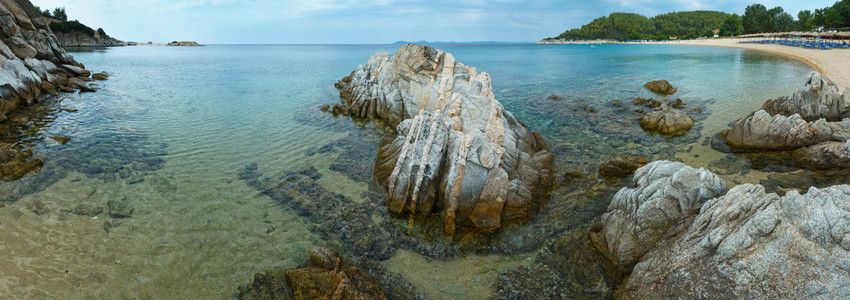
[662, 87]
[666, 120]
[100, 76]
[620, 167]
[15, 164]
[457, 150]
[325, 276]
[120, 209]
[664, 193]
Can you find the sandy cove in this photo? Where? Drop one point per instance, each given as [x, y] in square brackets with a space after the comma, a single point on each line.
[834, 63]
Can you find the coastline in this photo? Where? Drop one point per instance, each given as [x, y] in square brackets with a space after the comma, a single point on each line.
[832, 63]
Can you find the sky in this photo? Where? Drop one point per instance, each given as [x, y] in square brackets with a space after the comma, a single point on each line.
[368, 21]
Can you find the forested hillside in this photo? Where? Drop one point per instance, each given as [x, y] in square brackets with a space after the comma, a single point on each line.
[629, 26]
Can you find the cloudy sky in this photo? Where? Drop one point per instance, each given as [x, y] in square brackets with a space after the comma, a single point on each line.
[367, 21]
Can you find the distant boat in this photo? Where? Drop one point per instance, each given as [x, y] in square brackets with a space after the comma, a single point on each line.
[592, 46]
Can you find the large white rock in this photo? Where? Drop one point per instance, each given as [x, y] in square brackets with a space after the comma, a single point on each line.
[818, 98]
[750, 244]
[28, 54]
[664, 193]
[458, 148]
[814, 114]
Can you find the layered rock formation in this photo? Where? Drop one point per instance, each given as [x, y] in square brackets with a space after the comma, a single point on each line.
[664, 193]
[750, 244]
[812, 124]
[31, 60]
[458, 150]
[742, 244]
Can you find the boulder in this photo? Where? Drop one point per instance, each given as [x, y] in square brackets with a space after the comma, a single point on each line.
[77, 83]
[764, 132]
[100, 76]
[661, 87]
[754, 245]
[812, 115]
[458, 150]
[665, 192]
[818, 98]
[666, 120]
[824, 156]
[325, 276]
[620, 167]
[77, 71]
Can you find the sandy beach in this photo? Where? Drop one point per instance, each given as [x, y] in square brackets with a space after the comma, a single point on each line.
[834, 63]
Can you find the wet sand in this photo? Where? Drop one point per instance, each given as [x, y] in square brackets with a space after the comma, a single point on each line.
[834, 63]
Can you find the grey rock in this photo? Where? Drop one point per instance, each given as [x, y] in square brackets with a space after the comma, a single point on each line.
[29, 55]
[813, 122]
[458, 149]
[120, 209]
[77, 71]
[818, 98]
[664, 193]
[761, 131]
[750, 244]
[823, 156]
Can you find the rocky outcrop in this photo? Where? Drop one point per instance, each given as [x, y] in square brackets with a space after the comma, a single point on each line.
[755, 245]
[764, 132]
[325, 276]
[665, 192]
[30, 55]
[83, 39]
[457, 150]
[819, 98]
[661, 87]
[666, 120]
[811, 124]
[183, 43]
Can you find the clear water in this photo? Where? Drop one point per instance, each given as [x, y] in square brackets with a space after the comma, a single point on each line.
[172, 127]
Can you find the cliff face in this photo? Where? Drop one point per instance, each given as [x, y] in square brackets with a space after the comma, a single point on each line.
[31, 60]
[81, 39]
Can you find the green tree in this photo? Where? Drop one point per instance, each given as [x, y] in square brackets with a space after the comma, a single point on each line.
[731, 26]
[59, 13]
[755, 19]
[780, 21]
[805, 18]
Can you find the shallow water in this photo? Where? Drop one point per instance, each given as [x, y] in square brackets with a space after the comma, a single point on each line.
[173, 126]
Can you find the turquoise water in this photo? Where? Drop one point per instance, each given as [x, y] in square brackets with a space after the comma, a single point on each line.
[172, 128]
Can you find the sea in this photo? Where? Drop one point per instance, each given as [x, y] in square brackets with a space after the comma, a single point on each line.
[166, 143]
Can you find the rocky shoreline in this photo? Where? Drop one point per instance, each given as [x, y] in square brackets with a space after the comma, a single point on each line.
[33, 66]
